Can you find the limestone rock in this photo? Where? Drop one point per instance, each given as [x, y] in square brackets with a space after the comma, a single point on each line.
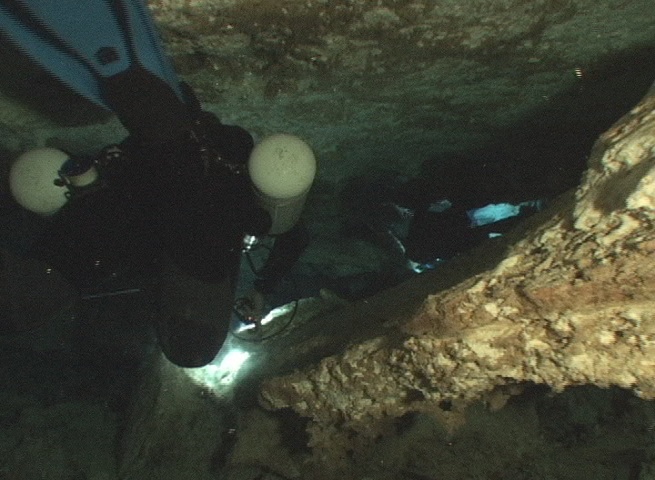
[572, 303]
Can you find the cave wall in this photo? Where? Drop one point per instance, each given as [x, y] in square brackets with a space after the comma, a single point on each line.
[389, 84]
[401, 87]
[570, 304]
[384, 84]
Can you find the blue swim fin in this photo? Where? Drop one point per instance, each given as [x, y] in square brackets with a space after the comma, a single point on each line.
[86, 42]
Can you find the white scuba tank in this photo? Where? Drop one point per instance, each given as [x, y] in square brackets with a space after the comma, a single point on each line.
[282, 168]
[40, 179]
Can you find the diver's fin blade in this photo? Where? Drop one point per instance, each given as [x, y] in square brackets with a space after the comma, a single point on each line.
[21, 26]
[104, 39]
[148, 46]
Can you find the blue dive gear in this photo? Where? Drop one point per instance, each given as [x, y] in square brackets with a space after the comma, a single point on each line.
[85, 42]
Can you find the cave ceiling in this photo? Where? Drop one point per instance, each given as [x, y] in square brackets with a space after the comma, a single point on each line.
[392, 84]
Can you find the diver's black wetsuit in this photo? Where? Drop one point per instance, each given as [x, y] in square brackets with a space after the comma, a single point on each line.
[175, 206]
[176, 198]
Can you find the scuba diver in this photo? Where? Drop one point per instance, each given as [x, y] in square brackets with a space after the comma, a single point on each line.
[183, 195]
[422, 222]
